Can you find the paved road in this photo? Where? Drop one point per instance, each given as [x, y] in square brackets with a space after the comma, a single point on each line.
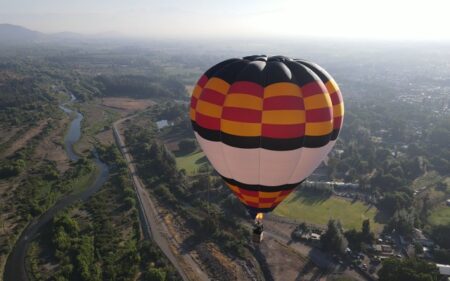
[152, 224]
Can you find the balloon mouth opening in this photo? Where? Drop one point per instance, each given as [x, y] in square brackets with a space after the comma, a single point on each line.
[259, 216]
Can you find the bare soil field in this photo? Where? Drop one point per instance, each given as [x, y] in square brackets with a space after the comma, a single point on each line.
[8, 133]
[286, 264]
[127, 104]
[96, 127]
[52, 147]
[207, 255]
[20, 142]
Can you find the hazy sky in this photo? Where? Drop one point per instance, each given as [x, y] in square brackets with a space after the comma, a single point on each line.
[391, 19]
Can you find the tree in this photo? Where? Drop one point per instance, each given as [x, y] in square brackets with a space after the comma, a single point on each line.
[395, 201]
[354, 239]
[402, 222]
[418, 248]
[366, 227]
[86, 266]
[441, 186]
[187, 146]
[367, 236]
[333, 239]
[407, 270]
[440, 235]
[155, 274]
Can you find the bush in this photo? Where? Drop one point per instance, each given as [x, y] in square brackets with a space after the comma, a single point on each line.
[187, 146]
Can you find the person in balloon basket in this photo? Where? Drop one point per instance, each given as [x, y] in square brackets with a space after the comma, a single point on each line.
[258, 230]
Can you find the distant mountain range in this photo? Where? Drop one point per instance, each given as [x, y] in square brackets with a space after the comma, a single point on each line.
[12, 34]
[15, 33]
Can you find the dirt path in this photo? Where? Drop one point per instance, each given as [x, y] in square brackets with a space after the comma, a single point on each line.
[18, 144]
[153, 225]
[281, 231]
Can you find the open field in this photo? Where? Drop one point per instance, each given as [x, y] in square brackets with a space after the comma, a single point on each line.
[318, 210]
[440, 215]
[428, 180]
[127, 104]
[52, 147]
[22, 141]
[191, 162]
[96, 126]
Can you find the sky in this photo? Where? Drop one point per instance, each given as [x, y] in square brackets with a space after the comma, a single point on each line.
[353, 19]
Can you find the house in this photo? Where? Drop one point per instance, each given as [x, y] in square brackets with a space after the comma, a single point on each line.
[383, 249]
[315, 236]
[422, 239]
[444, 271]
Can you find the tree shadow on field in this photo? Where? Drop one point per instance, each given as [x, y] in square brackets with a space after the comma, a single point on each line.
[262, 263]
[305, 270]
[308, 198]
[201, 160]
[381, 217]
[189, 244]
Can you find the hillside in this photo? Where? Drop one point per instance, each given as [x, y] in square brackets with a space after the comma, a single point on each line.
[13, 33]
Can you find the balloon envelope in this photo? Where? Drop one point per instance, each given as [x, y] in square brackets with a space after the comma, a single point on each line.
[265, 124]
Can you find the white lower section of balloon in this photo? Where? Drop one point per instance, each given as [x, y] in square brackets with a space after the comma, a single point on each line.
[262, 166]
[214, 153]
[309, 161]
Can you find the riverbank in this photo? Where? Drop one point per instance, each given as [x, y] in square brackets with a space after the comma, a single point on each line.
[15, 265]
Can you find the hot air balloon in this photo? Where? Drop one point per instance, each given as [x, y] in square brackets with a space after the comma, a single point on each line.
[265, 124]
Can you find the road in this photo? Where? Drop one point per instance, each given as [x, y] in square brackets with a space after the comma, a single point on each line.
[152, 224]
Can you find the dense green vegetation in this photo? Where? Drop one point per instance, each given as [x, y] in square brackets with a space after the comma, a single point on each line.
[147, 86]
[105, 243]
[42, 187]
[386, 148]
[207, 210]
[25, 98]
[407, 270]
[333, 240]
[31, 87]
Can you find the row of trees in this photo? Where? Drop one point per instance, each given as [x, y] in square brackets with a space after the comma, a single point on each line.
[336, 240]
[200, 201]
[140, 86]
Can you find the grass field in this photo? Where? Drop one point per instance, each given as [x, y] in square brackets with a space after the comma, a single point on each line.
[440, 215]
[318, 210]
[191, 162]
[426, 180]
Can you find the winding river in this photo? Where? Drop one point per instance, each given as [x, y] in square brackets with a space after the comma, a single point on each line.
[15, 265]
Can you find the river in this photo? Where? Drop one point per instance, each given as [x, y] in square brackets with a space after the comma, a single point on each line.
[15, 265]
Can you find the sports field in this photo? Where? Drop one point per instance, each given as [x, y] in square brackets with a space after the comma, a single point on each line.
[440, 215]
[318, 210]
[191, 162]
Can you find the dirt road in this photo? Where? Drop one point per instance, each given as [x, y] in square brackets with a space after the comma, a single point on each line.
[279, 231]
[152, 224]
